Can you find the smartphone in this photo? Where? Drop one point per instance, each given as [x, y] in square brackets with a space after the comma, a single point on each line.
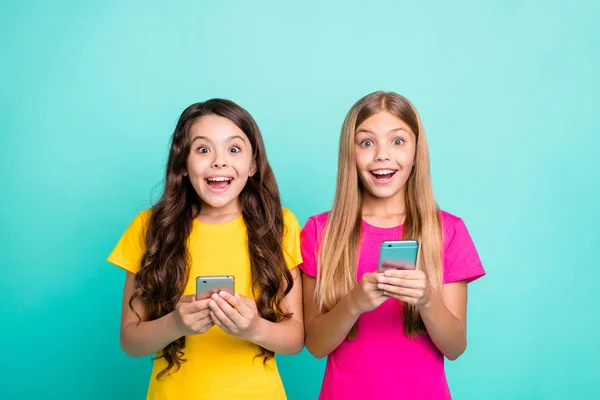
[398, 254]
[207, 285]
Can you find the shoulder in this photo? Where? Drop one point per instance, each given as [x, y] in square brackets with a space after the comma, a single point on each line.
[140, 221]
[145, 215]
[449, 220]
[453, 228]
[318, 220]
[312, 233]
[289, 219]
[288, 215]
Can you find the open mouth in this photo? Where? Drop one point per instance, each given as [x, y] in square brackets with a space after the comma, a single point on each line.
[383, 175]
[219, 183]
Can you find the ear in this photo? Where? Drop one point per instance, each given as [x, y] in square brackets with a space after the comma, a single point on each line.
[252, 169]
[185, 173]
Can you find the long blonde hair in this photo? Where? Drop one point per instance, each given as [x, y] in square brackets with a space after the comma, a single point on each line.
[338, 252]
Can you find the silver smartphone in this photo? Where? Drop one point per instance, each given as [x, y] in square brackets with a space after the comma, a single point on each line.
[207, 285]
[398, 254]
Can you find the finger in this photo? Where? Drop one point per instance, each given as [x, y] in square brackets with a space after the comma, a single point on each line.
[371, 277]
[203, 304]
[400, 291]
[407, 300]
[379, 293]
[402, 282]
[187, 298]
[194, 306]
[200, 315]
[246, 306]
[218, 322]
[233, 301]
[220, 315]
[229, 309]
[403, 274]
[204, 324]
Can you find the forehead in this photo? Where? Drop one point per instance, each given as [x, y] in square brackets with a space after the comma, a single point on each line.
[215, 127]
[383, 122]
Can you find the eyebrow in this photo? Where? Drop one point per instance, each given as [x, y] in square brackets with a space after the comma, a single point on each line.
[208, 140]
[371, 132]
[236, 137]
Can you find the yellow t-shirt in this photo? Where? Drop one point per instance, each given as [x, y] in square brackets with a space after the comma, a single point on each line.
[219, 366]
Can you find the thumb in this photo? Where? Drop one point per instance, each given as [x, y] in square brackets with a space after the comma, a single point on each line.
[371, 277]
[187, 298]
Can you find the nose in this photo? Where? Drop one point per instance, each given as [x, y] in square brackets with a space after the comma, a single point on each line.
[382, 154]
[220, 160]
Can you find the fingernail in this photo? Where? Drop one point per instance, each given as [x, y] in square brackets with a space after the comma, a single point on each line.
[215, 296]
[212, 303]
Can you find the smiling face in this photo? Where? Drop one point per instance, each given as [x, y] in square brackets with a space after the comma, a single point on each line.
[220, 162]
[384, 149]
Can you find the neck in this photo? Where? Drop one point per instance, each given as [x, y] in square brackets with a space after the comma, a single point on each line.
[384, 212]
[393, 205]
[222, 214]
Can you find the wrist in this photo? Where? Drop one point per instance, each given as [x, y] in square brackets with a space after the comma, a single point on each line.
[432, 297]
[257, 334]
[352, 305]
[174, 327]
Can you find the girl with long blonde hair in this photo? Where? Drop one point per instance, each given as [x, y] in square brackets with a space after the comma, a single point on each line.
[385, 335]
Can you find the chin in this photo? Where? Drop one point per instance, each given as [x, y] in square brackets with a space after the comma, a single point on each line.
[383, 194]
[216, 203]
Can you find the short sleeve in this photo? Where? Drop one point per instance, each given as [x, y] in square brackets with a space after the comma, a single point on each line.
[309, 244]
[291, 240]
[130, 249]
[461, 261]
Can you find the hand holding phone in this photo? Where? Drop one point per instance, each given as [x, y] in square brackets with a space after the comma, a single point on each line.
[237, 315]
[400, 278]
[192, 316]
[366, 296]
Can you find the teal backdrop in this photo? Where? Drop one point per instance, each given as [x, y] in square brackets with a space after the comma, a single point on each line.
[509, 94]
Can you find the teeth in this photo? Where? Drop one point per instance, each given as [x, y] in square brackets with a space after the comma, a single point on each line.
[383, 171]
[219, 179]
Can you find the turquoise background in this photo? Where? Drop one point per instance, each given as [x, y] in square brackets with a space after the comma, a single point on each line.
[508, 92]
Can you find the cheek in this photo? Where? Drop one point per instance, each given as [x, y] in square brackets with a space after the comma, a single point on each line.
[195, 168]
[406, 157]
[362, 158]
[244, 166]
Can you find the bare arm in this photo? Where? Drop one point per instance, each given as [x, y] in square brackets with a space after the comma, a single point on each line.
[325, 332]
[445, 318]
[238, 316]
[444, 315]
[148, 337]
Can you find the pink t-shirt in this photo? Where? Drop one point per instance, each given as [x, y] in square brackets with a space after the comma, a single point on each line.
[381, 362]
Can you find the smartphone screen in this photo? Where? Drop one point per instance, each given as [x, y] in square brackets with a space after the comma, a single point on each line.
[398, 254]
[207, 285]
